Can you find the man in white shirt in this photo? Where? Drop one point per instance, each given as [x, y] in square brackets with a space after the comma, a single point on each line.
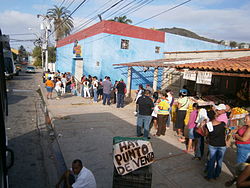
[83, 177]
[95, 85]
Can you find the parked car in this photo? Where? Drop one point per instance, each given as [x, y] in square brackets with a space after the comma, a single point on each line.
[30, 69]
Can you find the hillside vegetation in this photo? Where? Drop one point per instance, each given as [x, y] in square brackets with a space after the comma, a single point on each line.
[187, 33]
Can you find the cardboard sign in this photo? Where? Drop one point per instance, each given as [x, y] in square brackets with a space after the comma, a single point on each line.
[189, 75]
[204, 78]
[131, 155]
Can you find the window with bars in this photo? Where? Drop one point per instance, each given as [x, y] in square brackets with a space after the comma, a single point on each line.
[157, 49]
[124, 44]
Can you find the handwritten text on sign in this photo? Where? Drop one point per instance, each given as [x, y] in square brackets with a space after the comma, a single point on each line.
[189, 75]
[204, 78]
[131, 155]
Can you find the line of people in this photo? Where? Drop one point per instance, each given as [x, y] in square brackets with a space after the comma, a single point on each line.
[90, 87]
[195, 125]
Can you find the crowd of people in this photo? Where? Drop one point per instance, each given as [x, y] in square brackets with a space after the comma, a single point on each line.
[194, 124]
[88, 87]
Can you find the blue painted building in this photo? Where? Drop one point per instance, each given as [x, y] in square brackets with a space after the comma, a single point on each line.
[107, 43]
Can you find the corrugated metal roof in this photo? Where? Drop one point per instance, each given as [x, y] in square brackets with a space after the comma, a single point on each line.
[154, 63]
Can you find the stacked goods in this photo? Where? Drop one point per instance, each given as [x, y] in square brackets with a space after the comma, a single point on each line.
[238, 113]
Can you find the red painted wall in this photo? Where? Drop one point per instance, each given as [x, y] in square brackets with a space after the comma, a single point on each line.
[115, 28]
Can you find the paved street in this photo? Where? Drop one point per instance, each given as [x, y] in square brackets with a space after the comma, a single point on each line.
[23, 135]
[85, 130]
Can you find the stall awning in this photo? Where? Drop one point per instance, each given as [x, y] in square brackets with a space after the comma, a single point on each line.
[154, 63]
[227, 67]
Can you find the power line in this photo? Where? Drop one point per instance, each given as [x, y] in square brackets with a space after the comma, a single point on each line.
[172, 8]
[23, 39]
[99, 14]
[21, 34]
[68, 16]
[130, 10]
[163, 12]
[70, 4]
[61, 4]
[131, 7]
[120, 9]
[95, 11]
[138, 7]
[111, 7]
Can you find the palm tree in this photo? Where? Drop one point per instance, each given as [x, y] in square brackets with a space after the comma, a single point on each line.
[63, 22]
[122, 19]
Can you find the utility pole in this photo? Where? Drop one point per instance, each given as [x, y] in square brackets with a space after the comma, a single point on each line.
[46, 50]
[46, 27]
[39, 42]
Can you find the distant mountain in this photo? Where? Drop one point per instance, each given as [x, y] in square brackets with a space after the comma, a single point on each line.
[187, 33]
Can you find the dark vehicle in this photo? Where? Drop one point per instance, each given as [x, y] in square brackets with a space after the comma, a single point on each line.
[4, 150]
[10, 69]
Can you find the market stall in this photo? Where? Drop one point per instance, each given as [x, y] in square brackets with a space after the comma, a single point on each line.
[221, 81]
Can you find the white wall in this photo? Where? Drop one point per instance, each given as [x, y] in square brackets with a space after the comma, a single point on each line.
[208, 54]
[52, 67]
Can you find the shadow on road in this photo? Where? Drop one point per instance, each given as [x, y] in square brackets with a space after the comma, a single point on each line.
[28, 169]
[14, 98]
[89, 137]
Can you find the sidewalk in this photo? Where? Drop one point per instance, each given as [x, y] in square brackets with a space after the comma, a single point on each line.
[85, 130]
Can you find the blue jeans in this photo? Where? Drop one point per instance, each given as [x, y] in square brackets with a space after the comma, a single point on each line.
[95, 94]
[145, 121]
[73, 91]
[243, 152]
[120, 100]
[199, 149]
[106, 97]
[216, 154]
[169, 117]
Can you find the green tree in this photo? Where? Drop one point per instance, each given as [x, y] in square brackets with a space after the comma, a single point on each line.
[233, 44]
[22, 53]
[63, 22]
[122, 19]
[52, 54]
[37, 55]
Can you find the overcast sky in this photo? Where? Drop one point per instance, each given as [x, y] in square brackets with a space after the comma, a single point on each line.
[217, 19]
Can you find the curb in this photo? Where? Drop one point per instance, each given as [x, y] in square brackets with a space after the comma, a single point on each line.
[57, 163]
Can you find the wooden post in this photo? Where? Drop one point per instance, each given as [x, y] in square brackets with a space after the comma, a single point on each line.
[164, 83]
[155, 79]
[129, 81]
